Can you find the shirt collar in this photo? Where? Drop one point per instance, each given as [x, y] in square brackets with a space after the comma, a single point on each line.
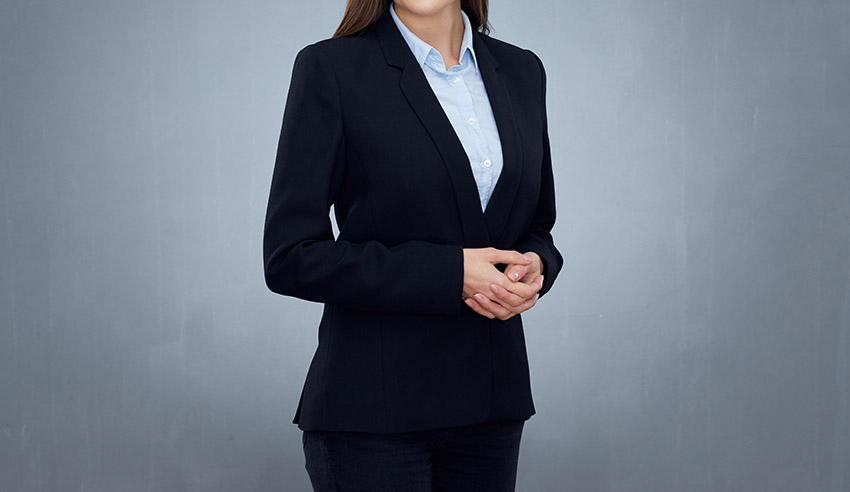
[421, 49]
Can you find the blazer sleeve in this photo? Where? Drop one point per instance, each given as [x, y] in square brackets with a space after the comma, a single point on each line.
[539, 236]
[300, 254]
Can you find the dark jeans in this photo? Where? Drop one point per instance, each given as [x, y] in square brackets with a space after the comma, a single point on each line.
[476, 458]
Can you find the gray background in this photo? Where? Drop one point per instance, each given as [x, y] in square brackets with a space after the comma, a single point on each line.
[696, 340]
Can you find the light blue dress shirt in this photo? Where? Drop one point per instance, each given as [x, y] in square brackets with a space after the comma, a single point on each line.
[462, 95]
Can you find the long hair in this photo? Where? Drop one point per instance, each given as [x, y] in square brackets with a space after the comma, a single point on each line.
[360, 14]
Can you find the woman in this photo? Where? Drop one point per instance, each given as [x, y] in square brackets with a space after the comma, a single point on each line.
[429, 137]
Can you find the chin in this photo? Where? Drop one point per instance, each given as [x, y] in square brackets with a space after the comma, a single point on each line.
[424, 7]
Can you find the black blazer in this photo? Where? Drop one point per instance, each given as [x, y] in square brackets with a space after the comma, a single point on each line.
[398, 348]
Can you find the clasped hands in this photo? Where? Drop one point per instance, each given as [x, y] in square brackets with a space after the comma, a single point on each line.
[496, 294]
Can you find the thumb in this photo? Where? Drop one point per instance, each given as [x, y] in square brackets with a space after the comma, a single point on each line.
[514, 272]
[509, 257]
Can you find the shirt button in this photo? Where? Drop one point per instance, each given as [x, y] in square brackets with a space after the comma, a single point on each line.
[471, 121]
[456, 80]
[487, 163]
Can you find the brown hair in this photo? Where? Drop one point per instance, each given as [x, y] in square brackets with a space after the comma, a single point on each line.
[360, 14]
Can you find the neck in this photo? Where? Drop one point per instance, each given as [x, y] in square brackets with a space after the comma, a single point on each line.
[442, 29]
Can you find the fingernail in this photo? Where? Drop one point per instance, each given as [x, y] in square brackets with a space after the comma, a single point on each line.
[493, 287]
[527, 257]
[515, 275]
[479, 297]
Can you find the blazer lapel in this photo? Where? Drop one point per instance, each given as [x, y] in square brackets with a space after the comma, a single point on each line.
[479, 229]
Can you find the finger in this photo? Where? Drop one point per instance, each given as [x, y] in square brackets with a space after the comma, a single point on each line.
[527, 304]
[500, 311]
[516, 302]
[507, 297]
[522, 289]
[515, 272]
[531, 302]
[537, 283]
[472, 303]
[509, 257]
[537, 264]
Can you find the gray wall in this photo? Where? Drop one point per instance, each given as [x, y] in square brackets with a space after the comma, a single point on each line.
[698, 338]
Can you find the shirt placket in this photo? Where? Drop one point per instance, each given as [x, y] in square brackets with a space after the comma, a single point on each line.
[482, 165]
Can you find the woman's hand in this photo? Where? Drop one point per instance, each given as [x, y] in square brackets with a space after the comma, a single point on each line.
[490, 292]
[504, 303]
